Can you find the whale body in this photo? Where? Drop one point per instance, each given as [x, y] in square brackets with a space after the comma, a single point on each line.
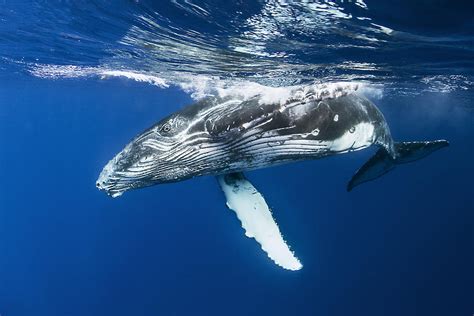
[225, 137]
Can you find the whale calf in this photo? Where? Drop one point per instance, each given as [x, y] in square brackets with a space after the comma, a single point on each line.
[225, 137]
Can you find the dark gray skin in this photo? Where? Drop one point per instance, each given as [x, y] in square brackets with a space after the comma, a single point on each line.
[219, 136]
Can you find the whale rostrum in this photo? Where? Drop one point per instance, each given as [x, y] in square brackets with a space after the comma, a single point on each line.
[225, 137]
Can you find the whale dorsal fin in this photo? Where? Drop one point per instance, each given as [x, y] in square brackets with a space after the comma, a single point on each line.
[256, 218]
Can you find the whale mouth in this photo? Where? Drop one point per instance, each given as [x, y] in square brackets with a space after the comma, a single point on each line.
[117, 183]
[124, 173]
[112, 189]
[111, 183]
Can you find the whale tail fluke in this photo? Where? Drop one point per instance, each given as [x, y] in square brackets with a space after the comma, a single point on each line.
[382, 162]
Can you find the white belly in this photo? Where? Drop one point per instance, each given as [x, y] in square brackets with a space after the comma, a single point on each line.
[359, 137]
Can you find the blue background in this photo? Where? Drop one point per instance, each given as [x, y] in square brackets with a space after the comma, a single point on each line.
[401, 245]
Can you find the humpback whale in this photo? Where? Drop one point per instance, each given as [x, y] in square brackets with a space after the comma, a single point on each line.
[225, 136]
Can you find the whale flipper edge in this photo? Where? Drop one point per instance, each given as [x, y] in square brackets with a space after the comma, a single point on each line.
[382, 162]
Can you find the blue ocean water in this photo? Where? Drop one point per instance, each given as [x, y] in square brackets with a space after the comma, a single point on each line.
[79, 79]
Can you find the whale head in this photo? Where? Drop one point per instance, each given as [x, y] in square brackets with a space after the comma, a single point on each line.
[158, 155]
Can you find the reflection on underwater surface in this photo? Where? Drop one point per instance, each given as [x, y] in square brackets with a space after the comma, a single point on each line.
[276, 43]
[399, 246]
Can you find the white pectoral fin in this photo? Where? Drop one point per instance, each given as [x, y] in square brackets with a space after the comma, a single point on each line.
[256, 218]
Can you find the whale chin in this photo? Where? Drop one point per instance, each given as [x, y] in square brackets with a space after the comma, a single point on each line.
[111, 184]
[115, 185]
[127, 172]
[118, 176]
[111, 190]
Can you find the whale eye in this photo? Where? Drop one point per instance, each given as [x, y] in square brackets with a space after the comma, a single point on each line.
[165, 129]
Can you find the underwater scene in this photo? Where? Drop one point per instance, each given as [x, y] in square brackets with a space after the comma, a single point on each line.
[210, 157]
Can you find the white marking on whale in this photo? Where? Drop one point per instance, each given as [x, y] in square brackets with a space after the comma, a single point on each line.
[257, 220]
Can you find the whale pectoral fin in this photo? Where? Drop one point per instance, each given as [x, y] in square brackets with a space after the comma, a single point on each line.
[382, 162]
[256, 218]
